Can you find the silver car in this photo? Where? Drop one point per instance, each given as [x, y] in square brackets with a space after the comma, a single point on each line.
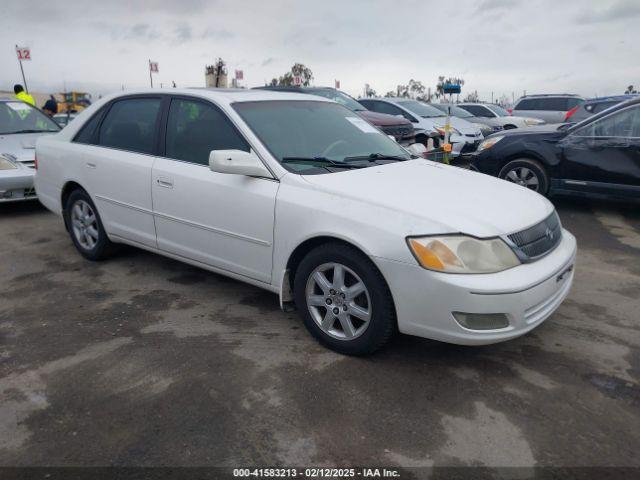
[20, 126]
[497, 114]
[550, 108]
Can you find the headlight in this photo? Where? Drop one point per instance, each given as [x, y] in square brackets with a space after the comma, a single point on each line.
[533, 121]
[6, 164]
[462, 254]
[489, 142]
[452, 131]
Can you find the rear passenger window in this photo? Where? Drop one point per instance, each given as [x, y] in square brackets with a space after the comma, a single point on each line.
[526, 104]
[554, 104]
[131, 125]
[195, 128]
[87, 132]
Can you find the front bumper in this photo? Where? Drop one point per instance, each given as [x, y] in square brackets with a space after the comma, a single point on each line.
[527, 295]
[17, 185]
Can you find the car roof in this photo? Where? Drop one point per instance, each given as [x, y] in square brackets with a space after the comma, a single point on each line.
[224, 95]
[536, 95]
[620, 98]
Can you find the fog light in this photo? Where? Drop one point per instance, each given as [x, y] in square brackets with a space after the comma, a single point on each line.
[482, 321]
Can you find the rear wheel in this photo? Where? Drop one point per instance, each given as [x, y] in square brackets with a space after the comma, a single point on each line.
[526, 173]
[344, 300]
[85, 227]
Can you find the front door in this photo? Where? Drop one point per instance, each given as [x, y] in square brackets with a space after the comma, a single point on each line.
[221, 220]
[604, 156]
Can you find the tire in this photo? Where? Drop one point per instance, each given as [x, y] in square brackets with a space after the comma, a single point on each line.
[85, 227]
[365, 319]
[527, 173]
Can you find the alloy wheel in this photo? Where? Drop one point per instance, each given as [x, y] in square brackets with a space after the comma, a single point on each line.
[338, 301]
[524, 177]
[84, 224]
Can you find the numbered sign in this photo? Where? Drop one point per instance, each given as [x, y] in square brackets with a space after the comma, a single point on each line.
[153, 67]
[297, 80]
[24, 53]
[337, 84]
[239, 74]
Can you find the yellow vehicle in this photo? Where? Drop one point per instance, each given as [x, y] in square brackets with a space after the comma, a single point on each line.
[74, 102]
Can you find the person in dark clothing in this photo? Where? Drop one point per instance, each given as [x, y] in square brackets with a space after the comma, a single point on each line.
[50, 107]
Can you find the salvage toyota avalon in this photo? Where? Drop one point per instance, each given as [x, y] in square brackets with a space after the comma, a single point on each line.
[298, 195]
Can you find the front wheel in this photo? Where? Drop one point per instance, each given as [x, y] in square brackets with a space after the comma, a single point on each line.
[344, 300]
[526, 173]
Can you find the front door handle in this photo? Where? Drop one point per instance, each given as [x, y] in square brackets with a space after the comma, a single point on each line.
[164, 182]
[91, 165]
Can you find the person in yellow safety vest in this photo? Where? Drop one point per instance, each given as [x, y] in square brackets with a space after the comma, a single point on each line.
[22, 95]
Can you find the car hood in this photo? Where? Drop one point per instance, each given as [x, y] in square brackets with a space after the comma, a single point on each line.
[547, 129]
[427, 197]
[492, 122]
[464, 127]
[382, 119]
[22, 146]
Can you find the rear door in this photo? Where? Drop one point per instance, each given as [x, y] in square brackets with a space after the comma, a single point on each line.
[604, 156]
[218, 219]
[117, 166]
[549, 109]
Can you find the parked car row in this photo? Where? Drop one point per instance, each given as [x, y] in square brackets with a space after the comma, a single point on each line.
[20, 126]
[301, 196]
[598, 156]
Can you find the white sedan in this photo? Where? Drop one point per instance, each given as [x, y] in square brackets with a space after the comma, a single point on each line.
[298, 195]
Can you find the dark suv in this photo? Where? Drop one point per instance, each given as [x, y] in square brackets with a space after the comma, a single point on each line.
[400, 128]
[599, 156]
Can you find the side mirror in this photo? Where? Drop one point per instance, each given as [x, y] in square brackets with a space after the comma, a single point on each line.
[237, 162]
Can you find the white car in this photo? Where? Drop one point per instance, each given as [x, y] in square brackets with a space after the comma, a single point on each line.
[496, 113]
[298, 195]
[464, 138]
[20, 126]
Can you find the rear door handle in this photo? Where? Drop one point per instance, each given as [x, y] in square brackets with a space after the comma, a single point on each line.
[91, 165]
[165, 182]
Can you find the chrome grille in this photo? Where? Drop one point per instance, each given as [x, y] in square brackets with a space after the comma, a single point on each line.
[538, 240]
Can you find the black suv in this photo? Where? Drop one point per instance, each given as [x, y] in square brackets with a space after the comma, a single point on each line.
[599, 156]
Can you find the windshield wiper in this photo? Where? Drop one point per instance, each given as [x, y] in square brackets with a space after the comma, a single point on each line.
[323, 161]
[372, 157]
[28, 131]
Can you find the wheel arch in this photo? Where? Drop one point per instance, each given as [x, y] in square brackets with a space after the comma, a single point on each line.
[301, 250]
[66, 191]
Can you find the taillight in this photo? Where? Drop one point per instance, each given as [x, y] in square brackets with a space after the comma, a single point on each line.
[35, 162]
[571, 112]
[510, 110]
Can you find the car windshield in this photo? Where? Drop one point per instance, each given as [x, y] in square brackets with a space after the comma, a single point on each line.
[419, 108]
[20, 117]
[455, 111]
[498, 110]
[341, 98]
[307, 136]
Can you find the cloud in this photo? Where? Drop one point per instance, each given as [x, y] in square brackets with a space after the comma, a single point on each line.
[183, 33]
[621, 10]
[217, 34]
[268, 61]
[489, 5]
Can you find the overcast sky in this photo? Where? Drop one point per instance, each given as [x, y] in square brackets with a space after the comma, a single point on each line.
[590, 47]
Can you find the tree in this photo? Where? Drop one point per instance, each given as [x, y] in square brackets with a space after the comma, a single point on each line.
[630, 90]
[286, 80]
[390, 93]
[415, 89]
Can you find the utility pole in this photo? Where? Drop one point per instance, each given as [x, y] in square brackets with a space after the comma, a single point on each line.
[150, 75]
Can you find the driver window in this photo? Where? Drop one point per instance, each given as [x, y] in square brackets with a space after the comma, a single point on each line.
[621, 124]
